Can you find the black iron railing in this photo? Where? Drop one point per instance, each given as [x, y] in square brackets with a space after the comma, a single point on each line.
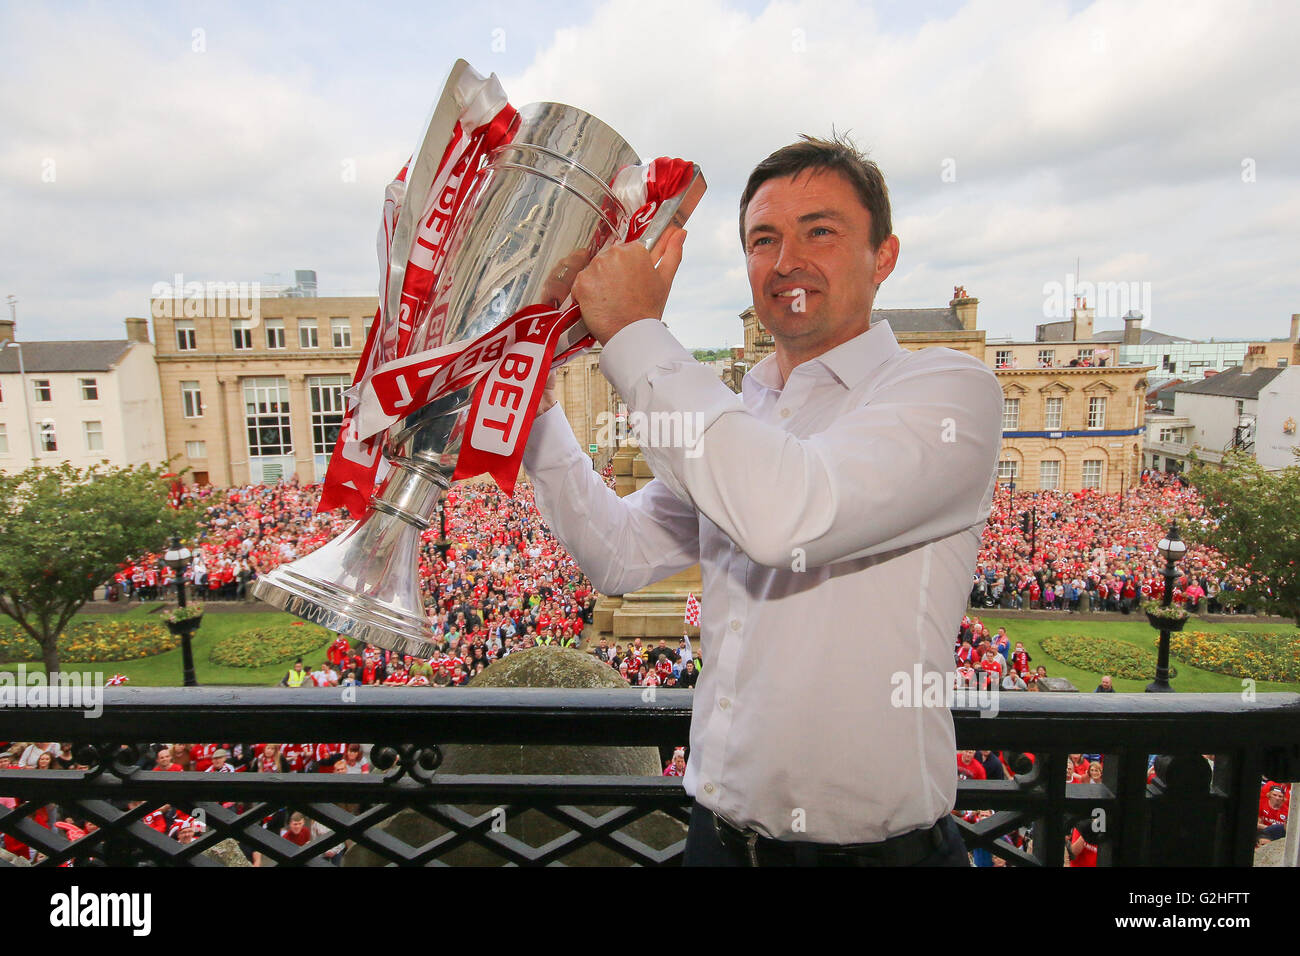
[1189, 815]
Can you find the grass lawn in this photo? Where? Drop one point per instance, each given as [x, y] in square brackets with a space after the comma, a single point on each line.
[1134, 630]
[164, 670]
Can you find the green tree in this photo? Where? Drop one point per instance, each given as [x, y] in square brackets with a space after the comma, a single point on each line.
[1255, 524]
[65, 530]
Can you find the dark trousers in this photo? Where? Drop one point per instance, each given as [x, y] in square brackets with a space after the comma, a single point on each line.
[703, 848]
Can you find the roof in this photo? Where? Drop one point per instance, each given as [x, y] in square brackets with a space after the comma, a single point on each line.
[98, 356]
[918, 320]
[1233, 383]
[1148, 337]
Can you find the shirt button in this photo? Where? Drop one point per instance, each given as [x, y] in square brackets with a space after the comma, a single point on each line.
[724, 703]
[708, 788]
[785, 413]
[735, 625]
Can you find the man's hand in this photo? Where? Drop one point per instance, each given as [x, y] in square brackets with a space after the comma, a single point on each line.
[626, 283]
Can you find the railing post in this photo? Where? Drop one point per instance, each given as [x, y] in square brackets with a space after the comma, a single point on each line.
[1183, 815]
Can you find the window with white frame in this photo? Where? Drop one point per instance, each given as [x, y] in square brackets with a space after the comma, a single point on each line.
[1002, 358]
[1097, 412]
[186, 336]
[266, 413]
[1010, 414]
[366, 323]
[274, 333]
[341, 333]
[41, 390]
[1049, 475]
[196, 449]
[1046, 358]
[4, 439]
[1092, 473]
[308, 337]
[1052, 412]
[326, 393]
[48, 440]
[1086, 354]
[93, 432]
[89, 390]
[241, 333]
[191, 400]
[1008, 468]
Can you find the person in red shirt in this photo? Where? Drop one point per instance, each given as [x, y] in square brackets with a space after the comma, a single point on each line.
[677, 766]
[1082, 853]
[1077, 769]
[163, 761]
[296, 756]
[1273, 808]
[201, 754]
[968, 768]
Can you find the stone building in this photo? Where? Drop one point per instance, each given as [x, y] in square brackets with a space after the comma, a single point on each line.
[83, 402]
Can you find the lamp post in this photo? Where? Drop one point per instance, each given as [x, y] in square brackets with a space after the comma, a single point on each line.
[176, 558]
[1173, 548]
[27, 412]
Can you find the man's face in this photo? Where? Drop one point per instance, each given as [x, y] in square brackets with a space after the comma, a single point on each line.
[811, 232]
[164, 758]
[1105, 682]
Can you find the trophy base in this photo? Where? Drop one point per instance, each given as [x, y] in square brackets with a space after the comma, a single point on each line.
[350, 614]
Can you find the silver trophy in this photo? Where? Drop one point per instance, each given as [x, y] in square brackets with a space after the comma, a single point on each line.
[541, 209]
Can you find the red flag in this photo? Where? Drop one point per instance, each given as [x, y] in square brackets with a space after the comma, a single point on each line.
[692, 611]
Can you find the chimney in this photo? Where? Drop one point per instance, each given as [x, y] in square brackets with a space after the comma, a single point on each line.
[964, 306]
[1082, 320]
[1295, 328]
[6, 330]
[1133, 328]
[137, 329]
[1255, 358]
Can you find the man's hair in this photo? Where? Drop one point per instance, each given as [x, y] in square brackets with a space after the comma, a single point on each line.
[816, 155]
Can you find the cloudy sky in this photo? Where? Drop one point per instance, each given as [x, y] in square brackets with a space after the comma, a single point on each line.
[1157, 144]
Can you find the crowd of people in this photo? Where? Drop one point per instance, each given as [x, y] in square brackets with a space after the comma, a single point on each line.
[1088, 550]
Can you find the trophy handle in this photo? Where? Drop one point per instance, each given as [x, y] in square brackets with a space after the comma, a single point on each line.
[673, 211]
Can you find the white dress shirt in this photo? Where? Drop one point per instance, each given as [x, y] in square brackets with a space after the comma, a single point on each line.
[836, 518]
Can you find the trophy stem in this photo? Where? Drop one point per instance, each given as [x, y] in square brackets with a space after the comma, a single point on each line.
[365, 583]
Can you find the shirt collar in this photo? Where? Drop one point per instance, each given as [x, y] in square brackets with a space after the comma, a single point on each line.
[849, 362]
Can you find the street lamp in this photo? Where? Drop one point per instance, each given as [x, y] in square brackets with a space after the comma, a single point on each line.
[177, 558]
[1173, 548]
[27, 412]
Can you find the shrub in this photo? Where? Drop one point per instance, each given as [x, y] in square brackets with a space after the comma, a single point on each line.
[1257, 656]
[1103, 655]
[269, 645]
[91, 641]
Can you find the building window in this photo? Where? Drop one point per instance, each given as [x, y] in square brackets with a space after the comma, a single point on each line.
[1046, 358]
[275, 333]
[326, 392]
[1241, 406]
[341, 333]
[1008, 469]
[366, 323]
[191, 400]
[186, 337]
[94, 434]
[1002, 358]
[48, 441]
[1281, 363]
[1049, 475]
[4, 439]
[1097, 412]
[241, 332]
[196, 449]
[1086, 354]
[266, 413]
[307, 336]
[1010, 414]
[41, 388]
[1052, 413]
[1092, 474]
[89, 390]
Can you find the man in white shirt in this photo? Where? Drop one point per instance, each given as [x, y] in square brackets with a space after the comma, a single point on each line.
[835, 511]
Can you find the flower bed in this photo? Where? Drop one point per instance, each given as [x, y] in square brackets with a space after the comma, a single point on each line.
[90, 642]
[269, 645]
[1103, 655]
[1257, 656]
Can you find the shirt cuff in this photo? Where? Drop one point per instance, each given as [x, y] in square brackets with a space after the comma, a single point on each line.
[551, 441]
